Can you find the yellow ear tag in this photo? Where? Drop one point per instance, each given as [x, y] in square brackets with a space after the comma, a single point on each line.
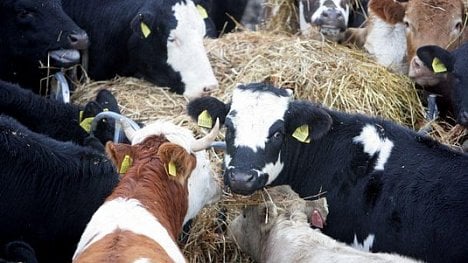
[438, 66]
[205, 120]
[126, 163]
[81, 116]
[86, 124]
[171, 169]
[302, 134]
[145, 29]
[202, 11]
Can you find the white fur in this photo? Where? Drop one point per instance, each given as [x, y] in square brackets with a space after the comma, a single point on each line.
[373, 144]
[322, 8]
[142, 260]
[303, 25]
[127, 214]
[273, 169]
[366, 245]
[202, 186]
[256, 112]
[186, 54]
[387, 43]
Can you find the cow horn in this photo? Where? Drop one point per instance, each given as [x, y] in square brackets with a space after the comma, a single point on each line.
[205, 142]
[118, 120]
[129, 128]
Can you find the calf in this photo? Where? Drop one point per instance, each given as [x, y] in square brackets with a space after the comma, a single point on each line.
[385, 184]
[141, 219]
[159, 40]
[49, 190]
[30, 31]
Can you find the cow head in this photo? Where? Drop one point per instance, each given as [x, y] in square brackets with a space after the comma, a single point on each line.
[260, 121]
[32, 29]
[431, 22]
[454, 66]
[202, 185]
[167, 48]
[330, 15]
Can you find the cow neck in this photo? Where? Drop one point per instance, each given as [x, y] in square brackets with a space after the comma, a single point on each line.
[148, 182]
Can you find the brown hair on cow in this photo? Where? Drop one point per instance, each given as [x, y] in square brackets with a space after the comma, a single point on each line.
[390, 11]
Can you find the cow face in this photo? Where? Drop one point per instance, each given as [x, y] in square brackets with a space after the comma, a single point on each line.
[259, 122]
[431, 22]
[441, 62]
[168, 50]
[32, 29]
[330, 15]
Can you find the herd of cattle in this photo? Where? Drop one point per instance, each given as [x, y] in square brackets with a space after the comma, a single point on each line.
[86, 184]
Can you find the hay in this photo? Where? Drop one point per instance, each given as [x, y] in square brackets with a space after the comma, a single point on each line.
[336, 76]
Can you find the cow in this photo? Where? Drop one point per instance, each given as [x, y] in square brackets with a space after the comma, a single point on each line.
[226, 14]
[18, 251]
[142, 218]
[158, 40]
[32, 30]
[49, 190]
[454, 65]
[386, 185]
[59, 120]
[268, 233]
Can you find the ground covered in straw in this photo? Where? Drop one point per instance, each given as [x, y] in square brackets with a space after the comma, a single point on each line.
[334, 75]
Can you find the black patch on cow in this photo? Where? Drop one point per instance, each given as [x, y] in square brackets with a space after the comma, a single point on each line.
[277, 126]
[395, 221]
[263, 87]
[361, 163]
[215, 107]
[373, 188]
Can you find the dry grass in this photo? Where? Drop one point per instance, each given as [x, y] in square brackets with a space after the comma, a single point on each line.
[336, 76]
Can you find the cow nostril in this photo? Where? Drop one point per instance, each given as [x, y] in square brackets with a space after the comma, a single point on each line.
[416, 63]
[78, 40]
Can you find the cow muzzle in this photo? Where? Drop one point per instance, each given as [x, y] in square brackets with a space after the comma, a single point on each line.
[245, 182]
[422, 74]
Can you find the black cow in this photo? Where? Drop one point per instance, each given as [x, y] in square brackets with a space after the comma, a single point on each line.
[388, 188]
[159, 40]
[61, 121]
[48, 190]
[31, 29]
[454, 87]
[225, 14]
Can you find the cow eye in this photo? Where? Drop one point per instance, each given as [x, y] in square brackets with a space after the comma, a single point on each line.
[458, 27]
[277, 135]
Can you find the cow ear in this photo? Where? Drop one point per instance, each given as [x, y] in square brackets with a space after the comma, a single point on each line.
[142, 24]
[177, 161]
[121, 155]
[205, 110]
[305, 121]
[436, 58]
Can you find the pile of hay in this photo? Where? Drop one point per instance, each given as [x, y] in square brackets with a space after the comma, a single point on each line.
[334, 75]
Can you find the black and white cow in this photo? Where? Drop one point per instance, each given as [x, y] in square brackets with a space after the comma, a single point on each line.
[59, 120]
[388, 188]
[48, 190]
[30, 30]
[452, 66]
[159, 40]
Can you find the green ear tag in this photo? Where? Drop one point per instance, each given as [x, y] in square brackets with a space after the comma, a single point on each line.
[205, 120]
[302, 134]
[145, 29]
[126, 163]
[202, 11]
[86, 124]
[438, 66]
[171, 169]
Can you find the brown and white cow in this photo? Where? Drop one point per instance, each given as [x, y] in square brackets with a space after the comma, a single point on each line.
[270, 233]
[141, 219]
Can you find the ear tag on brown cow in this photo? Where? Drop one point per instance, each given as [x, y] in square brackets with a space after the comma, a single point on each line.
[205, 120]
[302, 134]
[202, 11]
[438, 66]
[171, 169]
[126, 163]
[145, 29]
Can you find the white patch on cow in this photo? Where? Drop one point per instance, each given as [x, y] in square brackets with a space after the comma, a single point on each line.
[142, 260]
[373, 144]
[186, 53]
[255, 113]
[366, 245]
[203, 187]
[387, 43]
[130, 215]
[303, 25]
[322, 8]
[273, 169]
[227, 161]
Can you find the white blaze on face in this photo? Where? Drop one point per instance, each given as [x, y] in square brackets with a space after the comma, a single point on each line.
[255, 113]
[373, 144]
[338, 7]
[186, 53]
[273, 169]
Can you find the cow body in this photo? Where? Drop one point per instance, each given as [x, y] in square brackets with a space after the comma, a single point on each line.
[141, 219]
[384, 183]
[159, 40]
[49, 190]
[30, 31]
